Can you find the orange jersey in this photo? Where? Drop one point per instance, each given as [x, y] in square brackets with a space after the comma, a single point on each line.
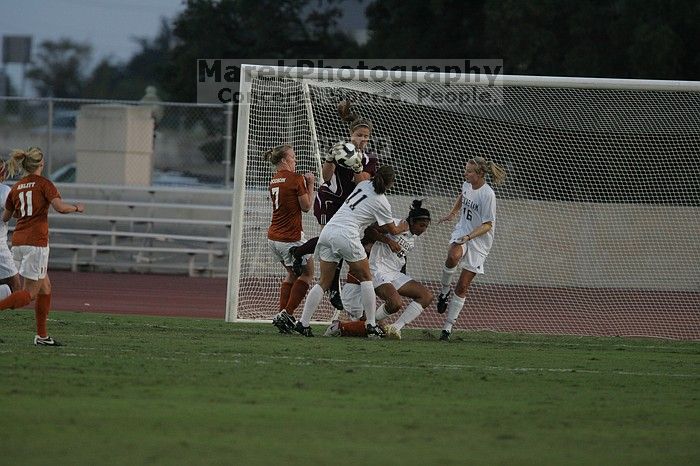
[30, 199]
[285, 189]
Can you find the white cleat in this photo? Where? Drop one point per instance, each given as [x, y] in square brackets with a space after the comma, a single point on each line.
[393, 332]
[333, 329]
[45, 341]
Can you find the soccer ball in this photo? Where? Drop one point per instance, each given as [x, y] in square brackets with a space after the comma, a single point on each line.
[346, 155]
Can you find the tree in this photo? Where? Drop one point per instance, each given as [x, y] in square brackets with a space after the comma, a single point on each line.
[128, 81]
[262, 29]
[423, 29]
[60, 67]
[653, 39]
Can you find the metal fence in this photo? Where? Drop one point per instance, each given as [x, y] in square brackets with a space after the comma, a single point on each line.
[191, 142]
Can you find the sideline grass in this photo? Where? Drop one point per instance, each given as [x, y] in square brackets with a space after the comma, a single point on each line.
[147, 390]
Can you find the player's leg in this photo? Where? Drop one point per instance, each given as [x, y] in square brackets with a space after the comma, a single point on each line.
[10, 281]
[351, 295]
[454, 255]
[298, 253]
[300, 287]
[42, 306]
[313, 299]
[421, 297]
[286, 287]
[280, 253]
[352, 300]
[457, 302]
[25, 259]
[392, 301]
[360, 269]
[334, 293]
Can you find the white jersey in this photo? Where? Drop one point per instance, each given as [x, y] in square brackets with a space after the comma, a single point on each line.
[361, 209]
[478, 207]
[383, 258]
[4, 191]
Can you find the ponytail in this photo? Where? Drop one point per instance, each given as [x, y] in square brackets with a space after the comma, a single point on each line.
[383, 179]
[24, 161]
[353, 119]
[485, 167]
[276, 154]
[417, 212]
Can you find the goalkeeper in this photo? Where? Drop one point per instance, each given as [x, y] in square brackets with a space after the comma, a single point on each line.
[338, 183]
[387, 262]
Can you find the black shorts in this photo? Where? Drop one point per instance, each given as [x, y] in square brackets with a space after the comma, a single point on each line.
[325, 208]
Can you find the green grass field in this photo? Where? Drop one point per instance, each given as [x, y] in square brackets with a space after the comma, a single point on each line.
[148, 390]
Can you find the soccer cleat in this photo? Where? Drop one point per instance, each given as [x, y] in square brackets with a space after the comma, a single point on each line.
[333, 329]
[284, 322]
[335, 300]
[45, 341]
[393, 332]
[375, 331]
[442, 302]
[297, 265]
[306, 331]
[444, 335]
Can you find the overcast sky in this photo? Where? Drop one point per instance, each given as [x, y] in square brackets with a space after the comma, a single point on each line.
[108, 25]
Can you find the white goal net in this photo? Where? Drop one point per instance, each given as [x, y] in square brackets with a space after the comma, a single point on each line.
[598, 222]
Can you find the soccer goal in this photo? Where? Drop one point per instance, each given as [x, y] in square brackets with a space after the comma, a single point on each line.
[598, 222]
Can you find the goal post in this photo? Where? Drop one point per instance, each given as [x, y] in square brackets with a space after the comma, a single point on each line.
[597, 222]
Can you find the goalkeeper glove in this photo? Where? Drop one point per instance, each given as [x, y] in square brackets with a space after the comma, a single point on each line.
[335, 151]
[357, 167]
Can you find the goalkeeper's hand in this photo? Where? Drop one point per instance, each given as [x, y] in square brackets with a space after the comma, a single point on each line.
[335, 150]
[357, 167]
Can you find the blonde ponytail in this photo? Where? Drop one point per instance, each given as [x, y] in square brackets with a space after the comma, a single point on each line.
[24, 161]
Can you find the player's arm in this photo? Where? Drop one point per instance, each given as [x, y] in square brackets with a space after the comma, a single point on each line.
[365, 172]
[307, 200]
[327, 170]
[328, 166]
[373, 234]
[455, 209]
[393, 228]
[360, 177]
[65, 208]
[478, 231]
[7, 214]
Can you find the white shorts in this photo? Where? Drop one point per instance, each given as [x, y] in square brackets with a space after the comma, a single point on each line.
[7, 263]
[336, 243]
[472, 260]
[31, 261]
[380, 277]
[280, 251]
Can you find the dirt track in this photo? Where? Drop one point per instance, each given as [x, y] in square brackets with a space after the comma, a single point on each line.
[138, 294]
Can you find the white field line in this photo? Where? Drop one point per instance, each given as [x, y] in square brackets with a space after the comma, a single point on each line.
[505, 340]
[240, 358]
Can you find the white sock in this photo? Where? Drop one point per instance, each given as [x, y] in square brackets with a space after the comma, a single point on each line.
[369, 302]
[5, 291]
[453, 310]
[351, 295]
[412, 311]
[313, 299]
[381, 313]
[446, 279]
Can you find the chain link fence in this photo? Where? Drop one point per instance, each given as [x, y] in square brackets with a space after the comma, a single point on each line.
[190, 142]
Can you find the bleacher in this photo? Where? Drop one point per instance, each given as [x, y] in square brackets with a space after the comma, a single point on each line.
[142, 229]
